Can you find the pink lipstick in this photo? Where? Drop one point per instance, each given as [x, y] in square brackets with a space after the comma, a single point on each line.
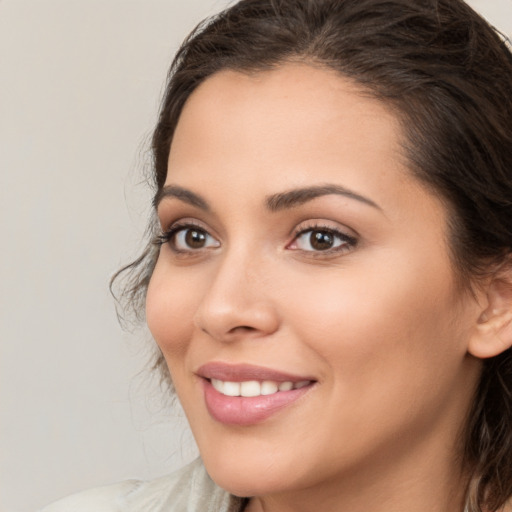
[246, 394]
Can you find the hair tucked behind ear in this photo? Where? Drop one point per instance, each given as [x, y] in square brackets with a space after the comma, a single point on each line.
[447, 75]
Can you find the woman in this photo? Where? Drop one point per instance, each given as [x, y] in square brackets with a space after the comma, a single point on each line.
[328, 280]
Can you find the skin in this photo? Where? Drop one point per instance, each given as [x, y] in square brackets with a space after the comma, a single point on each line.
[381, 324]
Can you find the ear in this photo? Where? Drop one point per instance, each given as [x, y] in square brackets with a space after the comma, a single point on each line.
[493, 333]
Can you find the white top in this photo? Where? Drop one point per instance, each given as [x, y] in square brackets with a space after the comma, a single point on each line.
[188, 490]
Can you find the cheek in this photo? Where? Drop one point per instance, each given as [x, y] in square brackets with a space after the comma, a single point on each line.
[394, 323]
[388, 350]
[170, 311]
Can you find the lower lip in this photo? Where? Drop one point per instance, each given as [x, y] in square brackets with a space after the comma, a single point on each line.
[243, 411]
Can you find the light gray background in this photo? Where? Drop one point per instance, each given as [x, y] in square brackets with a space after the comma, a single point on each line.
[80, 83]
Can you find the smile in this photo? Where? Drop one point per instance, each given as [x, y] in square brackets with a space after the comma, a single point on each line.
[246, 395]
[253, 388]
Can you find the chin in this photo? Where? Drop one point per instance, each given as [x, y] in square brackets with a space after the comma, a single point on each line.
[244, 482]
[245, 474]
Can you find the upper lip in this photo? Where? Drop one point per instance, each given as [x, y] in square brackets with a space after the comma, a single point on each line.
[246, 372]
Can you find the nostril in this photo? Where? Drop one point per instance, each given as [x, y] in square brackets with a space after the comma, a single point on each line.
[243, 328]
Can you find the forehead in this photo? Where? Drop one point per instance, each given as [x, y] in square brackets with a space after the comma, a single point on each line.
[295, 124]
[297, 97]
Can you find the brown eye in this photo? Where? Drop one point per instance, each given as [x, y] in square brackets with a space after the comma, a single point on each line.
[187, 239]
[321, 240]
[195, 239]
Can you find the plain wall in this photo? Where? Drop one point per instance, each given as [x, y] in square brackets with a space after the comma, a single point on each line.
[80, 84]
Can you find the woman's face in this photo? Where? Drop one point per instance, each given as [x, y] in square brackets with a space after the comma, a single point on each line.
[299, 252]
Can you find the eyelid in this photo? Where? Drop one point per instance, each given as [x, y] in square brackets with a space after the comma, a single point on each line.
[350, 240]
[168, 234]
[314, 222]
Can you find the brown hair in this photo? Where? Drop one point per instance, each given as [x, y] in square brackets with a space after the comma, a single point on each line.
[447, 75]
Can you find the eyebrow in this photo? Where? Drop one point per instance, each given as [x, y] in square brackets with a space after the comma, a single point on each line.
[183, 194]
[296, 197]
[275, 202]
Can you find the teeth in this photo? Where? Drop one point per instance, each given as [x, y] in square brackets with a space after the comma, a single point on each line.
[268, 387]
[218, 385]
[253, 388]
[250, 388]
[231, 389]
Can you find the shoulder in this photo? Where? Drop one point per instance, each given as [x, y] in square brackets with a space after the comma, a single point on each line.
[101, 499]
[189, 489]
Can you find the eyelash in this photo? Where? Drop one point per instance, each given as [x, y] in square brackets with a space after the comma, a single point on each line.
[167, 237]
[347, 242]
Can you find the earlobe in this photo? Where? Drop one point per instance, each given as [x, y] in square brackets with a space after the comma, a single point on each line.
[493, 332]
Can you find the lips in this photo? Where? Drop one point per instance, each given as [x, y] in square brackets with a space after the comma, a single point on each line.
[246, 372]
[246, 394]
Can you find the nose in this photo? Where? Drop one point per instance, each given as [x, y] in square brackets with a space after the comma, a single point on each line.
[238, 303]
